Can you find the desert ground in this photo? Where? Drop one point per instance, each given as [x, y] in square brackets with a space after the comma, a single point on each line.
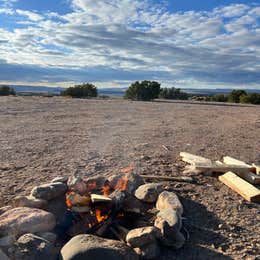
[42, 138]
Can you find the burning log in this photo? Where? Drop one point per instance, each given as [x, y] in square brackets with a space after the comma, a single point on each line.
[78, 209]
[95, 198]
[73, 199]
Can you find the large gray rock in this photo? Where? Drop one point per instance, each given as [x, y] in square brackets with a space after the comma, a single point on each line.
[22, 220]
[130, 181]
[169, 200]
[149, 192]
[7, 241]
[49, 191]
[3, 256]
[83, 247]
[30, 202]
[169, 222]
[32, 247]
[142, 236]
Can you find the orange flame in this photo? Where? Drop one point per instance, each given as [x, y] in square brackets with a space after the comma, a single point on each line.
[121, 183]
[106, 189]
[100, 217]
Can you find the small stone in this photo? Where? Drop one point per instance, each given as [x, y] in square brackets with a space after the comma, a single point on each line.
[3, 256]
[169, 200]
[92, 247]
[22, 220]
[62, 179]
[169, 222]
[30, 202]
[149, 251]
[139, 237]
[7, 241]
[149, 192]
[49, 191]
[30, 246]
[49, 236]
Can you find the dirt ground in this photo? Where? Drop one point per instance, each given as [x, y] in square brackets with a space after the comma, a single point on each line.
[41, 138]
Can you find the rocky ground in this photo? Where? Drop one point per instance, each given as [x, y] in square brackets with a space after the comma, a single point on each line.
[42, 138]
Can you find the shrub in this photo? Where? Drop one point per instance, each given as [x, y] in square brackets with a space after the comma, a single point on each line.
[145, 90]
[173, 93]
[81, 91]
[251, 98]
[219, 98]
[235, 95]
[6, 91]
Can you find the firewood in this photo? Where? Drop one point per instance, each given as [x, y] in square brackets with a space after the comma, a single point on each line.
[74, 198]
[257, 169]
[99, 198]
[191, 158]
[242, 187]
[82, 209]
[231, 160]
[104, 226]
[167, 178]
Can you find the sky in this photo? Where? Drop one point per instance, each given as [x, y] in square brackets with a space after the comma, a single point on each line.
[111, 43]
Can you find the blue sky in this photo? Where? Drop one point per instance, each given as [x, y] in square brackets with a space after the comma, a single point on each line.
[198, 43]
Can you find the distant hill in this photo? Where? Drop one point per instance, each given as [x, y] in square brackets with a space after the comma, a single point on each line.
[117, 91]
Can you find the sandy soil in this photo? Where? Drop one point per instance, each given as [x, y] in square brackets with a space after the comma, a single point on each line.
[46, 137]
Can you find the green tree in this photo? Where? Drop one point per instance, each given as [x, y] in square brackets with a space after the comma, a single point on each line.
[235, 95]
[173, 93]
[219, 98]
[250, 98]
[81, 91]
[145, 90]
[6, 91]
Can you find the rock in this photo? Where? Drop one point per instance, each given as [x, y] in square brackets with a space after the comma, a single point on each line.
[30, 202]
[139, 237]
[149, 192]
[85, 246]
[176, 242]
[77, 184]
[22, 220]
[62, 179]
[4, 209]
[169, 200]
[7, 241]
[149, 251]
[132, 204]
[3, 256]
[30, 247]
[49, 191]
[128, 181]
[95, 183]
[168, 221]
[49, 236]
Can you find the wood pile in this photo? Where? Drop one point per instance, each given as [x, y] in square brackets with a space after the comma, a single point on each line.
[237, 175]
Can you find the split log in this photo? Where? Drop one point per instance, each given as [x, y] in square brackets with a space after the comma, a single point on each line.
[82, 209]
[74, 199]
[167, 178]
[191, 158]
[231, 160]
[242, 187]
[95, 198]
[257, 169]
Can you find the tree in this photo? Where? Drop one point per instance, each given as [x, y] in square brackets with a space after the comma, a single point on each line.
[145, 90]
[235, 95]
[219, 98]
[81, 91]
[6, 91]
[173, 93]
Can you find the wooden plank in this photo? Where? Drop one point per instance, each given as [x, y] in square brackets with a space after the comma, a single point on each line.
[257, 168]
[231, 160]
[215, 167]
[99, 198]
[242, 187]
[191, 158]
[250, 177]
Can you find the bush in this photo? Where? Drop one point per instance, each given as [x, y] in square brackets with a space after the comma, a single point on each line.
[146, 90]
[235, 95]
[6, 91]
[219, 98]
[81, 91]
[173, 93]
[251, 98]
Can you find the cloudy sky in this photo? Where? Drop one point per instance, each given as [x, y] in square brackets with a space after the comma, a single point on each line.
[183, 43]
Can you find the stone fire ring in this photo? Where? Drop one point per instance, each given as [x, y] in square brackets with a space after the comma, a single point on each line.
[38, 227]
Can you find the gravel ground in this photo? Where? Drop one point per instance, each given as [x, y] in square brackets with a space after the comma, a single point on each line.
[46, 137]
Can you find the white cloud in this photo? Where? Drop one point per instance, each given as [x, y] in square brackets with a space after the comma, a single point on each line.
[222, 45]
